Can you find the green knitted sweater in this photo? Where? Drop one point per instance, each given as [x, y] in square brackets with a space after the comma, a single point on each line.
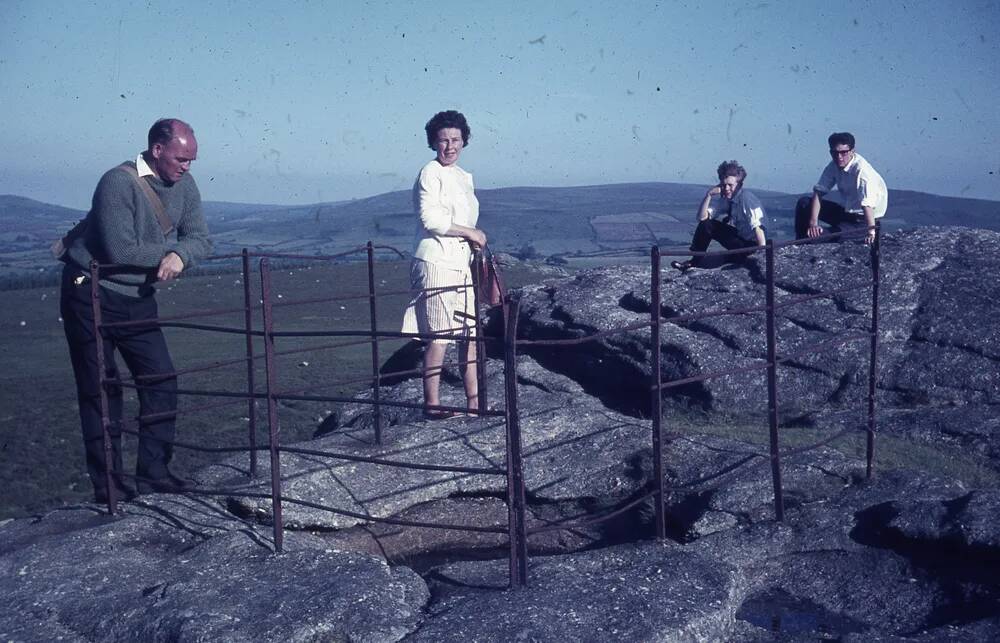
[121, 228]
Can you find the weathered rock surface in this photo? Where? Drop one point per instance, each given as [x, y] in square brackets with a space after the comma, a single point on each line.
[939, 350]
[182, 569]
[911, 554]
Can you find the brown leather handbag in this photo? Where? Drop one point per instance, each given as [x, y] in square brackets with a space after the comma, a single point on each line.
[489, 281]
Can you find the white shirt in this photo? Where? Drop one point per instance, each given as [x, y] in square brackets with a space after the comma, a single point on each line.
[142, 167]
[746, 215]
[443, 196]
[857, 185]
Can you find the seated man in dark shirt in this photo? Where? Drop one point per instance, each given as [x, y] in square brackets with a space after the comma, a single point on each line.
[735, 220]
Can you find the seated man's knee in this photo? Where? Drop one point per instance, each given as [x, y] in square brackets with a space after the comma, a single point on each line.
[804, 204]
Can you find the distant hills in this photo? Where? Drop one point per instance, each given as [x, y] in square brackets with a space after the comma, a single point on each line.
[529, 221]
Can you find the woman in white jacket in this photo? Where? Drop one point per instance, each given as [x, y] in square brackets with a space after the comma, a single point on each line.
[445, 201]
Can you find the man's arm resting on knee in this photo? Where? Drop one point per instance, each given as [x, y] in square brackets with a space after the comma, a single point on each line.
[814, 230]
[870, 222]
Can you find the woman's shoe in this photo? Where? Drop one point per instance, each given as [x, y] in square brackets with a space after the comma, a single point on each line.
[683, 266]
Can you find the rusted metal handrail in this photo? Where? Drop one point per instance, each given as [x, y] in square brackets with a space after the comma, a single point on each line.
[516, 506]
[271, 383]
[772, 385]
[656, 403]
[512, 469]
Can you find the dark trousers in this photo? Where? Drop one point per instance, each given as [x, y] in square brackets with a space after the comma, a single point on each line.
[829, 212]
[144, 351]
[709, 230]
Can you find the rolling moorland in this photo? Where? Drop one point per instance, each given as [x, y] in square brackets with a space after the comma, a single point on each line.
[558, 223]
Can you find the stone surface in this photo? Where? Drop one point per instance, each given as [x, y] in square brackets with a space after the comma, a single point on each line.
[182, 569]
[910, 554]
[643, 592]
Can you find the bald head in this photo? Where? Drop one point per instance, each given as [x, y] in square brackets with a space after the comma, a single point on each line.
[172, 147]
[166, 129]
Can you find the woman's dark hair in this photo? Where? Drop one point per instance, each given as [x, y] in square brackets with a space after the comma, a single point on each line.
[441, 120]
[841, 138]
[731, 168]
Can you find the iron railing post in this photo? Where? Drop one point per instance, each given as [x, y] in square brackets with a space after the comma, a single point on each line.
[272, 403]
[515, 467]
[872, 361]
[477, 287]
[95, 303]
[373, 317]
[251, 387]
[656, 402]
[772, 385]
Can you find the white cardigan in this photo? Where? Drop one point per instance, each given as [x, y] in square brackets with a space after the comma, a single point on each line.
[442, 197]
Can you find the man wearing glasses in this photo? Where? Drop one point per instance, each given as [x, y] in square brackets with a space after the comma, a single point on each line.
[860, 198]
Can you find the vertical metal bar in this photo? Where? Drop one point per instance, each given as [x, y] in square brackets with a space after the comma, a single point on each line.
[373, 320]
[876, 253]
[656, 401]
[477, 287]
[772, 385]
[251, 401]
[272, 403]
[95, 303]
[515, 467]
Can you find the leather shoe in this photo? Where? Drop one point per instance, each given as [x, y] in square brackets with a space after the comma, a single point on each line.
[167, 484]
[123, 493]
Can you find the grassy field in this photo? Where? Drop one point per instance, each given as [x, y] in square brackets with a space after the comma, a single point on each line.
[40, 441]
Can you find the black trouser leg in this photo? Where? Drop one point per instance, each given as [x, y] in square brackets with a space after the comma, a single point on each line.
[78, 326]
[709, 230]
[145, 352]
[803, 211]
[703, 235]
[829, 212]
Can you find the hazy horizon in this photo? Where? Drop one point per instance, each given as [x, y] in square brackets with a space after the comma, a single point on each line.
[86, 206]
[315, 102]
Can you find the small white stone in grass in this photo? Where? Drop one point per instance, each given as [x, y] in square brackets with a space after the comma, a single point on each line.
[280, 297]
[44, 295]
[343, 307]
[24, 323]
[303, 363]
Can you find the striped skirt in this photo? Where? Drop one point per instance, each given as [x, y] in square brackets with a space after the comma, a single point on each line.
[450, 313]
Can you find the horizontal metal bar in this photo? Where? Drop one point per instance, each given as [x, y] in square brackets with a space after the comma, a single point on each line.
[596, 520]
[582, 340]
[710, 375]
[159, 320]
[798, 299]
[679, 252]
[394, 521]
[393, 463]
[826, 236]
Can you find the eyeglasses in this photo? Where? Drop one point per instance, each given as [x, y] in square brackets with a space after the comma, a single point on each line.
[841, 152]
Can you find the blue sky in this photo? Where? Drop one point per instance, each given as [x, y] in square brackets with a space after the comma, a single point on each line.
[313, 101]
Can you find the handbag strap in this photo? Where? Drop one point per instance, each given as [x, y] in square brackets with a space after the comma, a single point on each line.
[166, 225]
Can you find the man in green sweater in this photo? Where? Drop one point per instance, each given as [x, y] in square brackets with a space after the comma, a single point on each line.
[151, 233]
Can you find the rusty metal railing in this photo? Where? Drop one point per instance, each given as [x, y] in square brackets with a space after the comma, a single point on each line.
[512, 469]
